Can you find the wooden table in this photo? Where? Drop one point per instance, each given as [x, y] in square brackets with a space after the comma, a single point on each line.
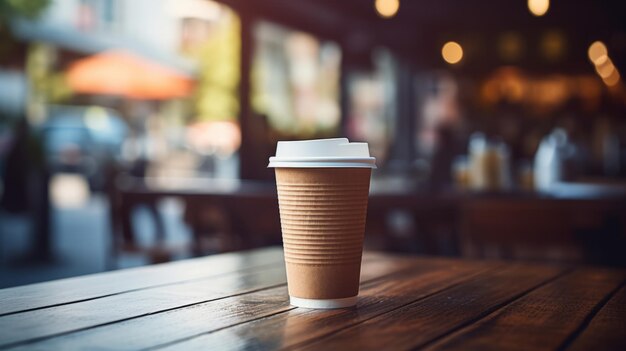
[239, 301]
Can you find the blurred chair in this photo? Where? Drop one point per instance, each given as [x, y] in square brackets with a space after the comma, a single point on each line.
[543, 229]
[223, 215]
[402, 219]
[231, 223]
[123, 238]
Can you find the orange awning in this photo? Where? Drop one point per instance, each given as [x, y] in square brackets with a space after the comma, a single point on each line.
[119, 72]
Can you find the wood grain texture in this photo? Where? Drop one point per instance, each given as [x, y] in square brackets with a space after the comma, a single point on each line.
[78, 289]
[607, 329]
[541, 320]
[301, 325]
[47, 322]
[423, 321]
[36, 324]
[103, 284]
[404, 303]
[181, 323]
[178, 324]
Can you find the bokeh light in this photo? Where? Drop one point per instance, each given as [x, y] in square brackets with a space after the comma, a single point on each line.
[510, 46]
[387, 8]
[553, 45]
[598, 53]
[538, 7]
[606, 68]
[612, 79]
[452, 52]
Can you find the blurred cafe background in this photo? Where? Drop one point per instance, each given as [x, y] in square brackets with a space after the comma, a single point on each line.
[135, 132]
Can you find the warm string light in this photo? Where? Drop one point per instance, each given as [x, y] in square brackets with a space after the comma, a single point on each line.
[452, 52]
[538, 7]
[599, 56]
[598, 53]
[612, 79]
[387, 8]
[605, 69]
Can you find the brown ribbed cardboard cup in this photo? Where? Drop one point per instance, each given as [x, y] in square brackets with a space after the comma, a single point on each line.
[322, 194]
[323, 213]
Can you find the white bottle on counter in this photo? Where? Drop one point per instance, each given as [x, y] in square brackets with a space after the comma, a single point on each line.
[549, 160]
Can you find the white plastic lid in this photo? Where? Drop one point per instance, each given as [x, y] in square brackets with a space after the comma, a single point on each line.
[320, 153]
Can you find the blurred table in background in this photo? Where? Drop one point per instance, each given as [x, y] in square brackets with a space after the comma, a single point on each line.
[233, 214]
[578, 222]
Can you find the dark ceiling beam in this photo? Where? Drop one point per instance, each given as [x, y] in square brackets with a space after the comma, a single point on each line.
[304, 15]
[421, 27]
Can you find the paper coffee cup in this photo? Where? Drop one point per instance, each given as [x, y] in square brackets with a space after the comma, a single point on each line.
[323, 188]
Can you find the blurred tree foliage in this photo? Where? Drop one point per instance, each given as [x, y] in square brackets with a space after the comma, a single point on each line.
[28, 9]
[47, 84]
[216, 96]
[12, 10]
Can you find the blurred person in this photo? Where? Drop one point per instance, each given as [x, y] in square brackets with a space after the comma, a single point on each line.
[138, 165]
[606, 151]
[16, 171]
[139, 169]
[447, 148]
[25, 186]
[263, 147]
[580, 162]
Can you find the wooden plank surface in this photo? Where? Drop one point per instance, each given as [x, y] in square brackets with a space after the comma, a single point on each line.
[69, 290]
[240, 301]
[46, 322]
[607, 329]
[425, 320]
[541, 320]
[161, 328]
[40, 323]
[302, 325]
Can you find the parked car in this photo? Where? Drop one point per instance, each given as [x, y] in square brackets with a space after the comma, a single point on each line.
[83, 139]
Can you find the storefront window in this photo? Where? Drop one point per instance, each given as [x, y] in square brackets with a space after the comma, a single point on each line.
[372, 104]
[295, 81]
